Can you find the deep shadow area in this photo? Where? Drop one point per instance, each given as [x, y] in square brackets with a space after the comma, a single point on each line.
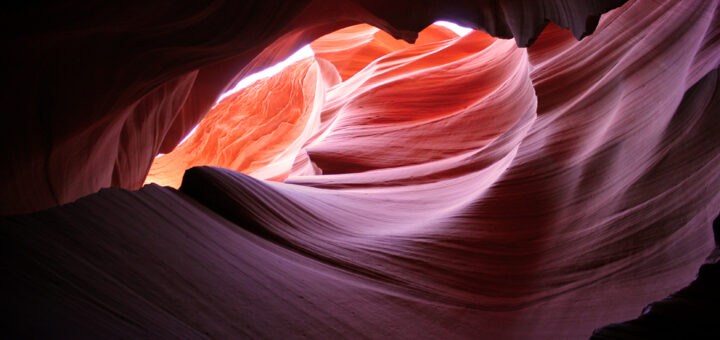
[690, 313]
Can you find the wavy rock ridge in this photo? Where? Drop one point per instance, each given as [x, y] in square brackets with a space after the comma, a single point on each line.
[458, 187]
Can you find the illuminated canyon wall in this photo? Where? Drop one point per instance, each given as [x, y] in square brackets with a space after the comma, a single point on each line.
[461, 186]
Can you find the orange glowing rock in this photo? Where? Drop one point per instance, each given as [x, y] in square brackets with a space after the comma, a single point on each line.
[261, 129]
[117, 88]
[258, 130]
[351, 49]
[426, 102]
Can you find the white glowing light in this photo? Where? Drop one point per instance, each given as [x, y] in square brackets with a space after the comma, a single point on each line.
[189, 134]
[183, 140]
[302, 53]
[305, 52]
[459, 30]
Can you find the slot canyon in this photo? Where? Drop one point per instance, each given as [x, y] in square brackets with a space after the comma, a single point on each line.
[326, 169]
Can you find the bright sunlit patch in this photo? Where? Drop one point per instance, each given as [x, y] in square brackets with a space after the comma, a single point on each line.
[189, 134]
[184, 139]
[459, 30]
[305, 52]
[302, 53]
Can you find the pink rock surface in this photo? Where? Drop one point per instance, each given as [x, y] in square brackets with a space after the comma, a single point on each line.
[454, 188]
[98, 91]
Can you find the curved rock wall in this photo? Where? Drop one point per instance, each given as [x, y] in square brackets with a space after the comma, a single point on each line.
[459, 187]
[95, 92]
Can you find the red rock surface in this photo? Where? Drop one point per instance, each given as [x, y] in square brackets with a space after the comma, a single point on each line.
[98, 91]
[352, 48]
[258, 130]
[460, 187]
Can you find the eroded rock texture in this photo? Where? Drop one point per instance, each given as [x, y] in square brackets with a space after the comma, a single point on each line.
[95, 92]
[258, 130]
[458, 187]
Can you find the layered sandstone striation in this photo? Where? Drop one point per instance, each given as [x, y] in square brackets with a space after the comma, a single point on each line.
[457, 187]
